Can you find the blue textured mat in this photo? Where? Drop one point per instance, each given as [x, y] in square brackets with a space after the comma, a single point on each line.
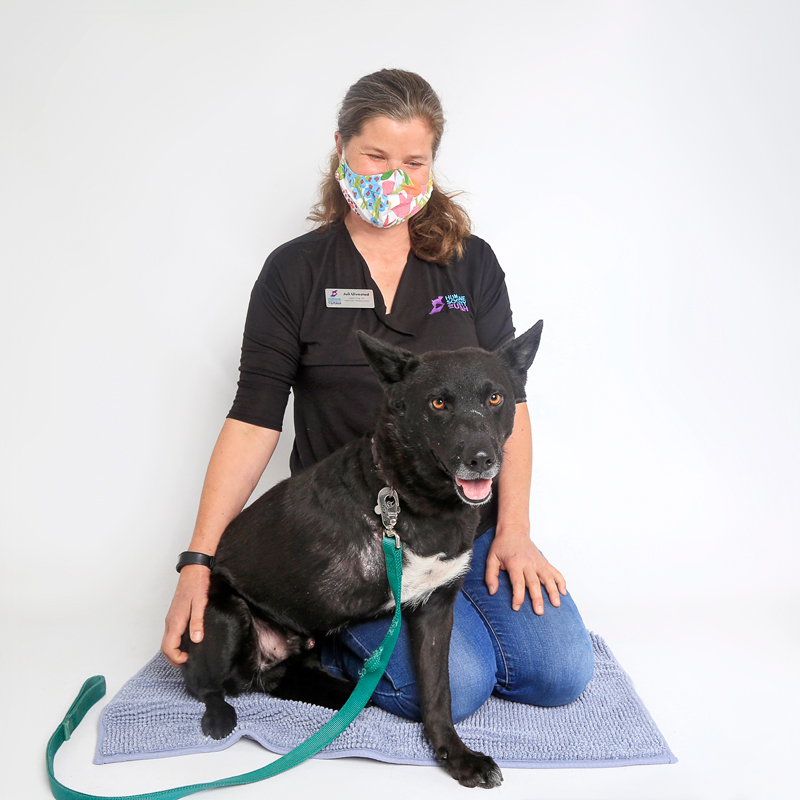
[607, 726]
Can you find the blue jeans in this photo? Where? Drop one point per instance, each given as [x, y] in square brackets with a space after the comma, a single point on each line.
[542, 660]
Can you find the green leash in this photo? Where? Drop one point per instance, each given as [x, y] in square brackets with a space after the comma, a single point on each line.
[373, 670]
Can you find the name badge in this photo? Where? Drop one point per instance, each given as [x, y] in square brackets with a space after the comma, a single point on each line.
[349, 298]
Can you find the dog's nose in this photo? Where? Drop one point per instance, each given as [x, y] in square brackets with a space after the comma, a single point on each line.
[480, 460]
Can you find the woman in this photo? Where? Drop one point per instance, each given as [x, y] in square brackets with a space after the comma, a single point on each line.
[423, 283]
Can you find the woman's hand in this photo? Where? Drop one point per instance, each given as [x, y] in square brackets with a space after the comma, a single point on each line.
[188, 606]
[526, 567]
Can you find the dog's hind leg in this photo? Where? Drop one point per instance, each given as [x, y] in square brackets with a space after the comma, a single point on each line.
[214, 667]
[430, 626]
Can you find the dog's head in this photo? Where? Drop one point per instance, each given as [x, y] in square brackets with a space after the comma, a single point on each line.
[451, 412]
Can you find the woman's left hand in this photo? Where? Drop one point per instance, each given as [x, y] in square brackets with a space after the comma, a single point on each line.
[526, 567]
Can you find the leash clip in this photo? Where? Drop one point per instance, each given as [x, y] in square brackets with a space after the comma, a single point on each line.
[393, 534]
[389, 507]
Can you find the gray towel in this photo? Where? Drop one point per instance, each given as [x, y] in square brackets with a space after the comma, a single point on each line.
[152, 716]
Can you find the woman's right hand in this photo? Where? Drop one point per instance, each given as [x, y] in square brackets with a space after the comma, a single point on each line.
[188, 606]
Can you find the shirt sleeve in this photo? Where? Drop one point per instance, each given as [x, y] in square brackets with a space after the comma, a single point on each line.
[270, 347]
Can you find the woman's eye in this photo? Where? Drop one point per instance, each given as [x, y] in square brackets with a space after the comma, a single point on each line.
[496, 399]
[437, 404]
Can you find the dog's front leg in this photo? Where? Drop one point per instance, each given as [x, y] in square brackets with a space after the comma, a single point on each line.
[430, 626]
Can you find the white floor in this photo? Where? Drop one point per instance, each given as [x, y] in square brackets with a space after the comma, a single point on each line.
[718, 682]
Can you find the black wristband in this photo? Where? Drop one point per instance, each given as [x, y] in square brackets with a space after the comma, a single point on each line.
[190, 557]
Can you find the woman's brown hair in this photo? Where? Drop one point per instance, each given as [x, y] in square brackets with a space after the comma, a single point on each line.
[439, 229]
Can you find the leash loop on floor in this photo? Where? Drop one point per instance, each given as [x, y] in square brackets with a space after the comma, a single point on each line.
[95, 688]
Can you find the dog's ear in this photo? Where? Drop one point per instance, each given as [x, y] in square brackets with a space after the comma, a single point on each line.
[518, 355]
[391, 364]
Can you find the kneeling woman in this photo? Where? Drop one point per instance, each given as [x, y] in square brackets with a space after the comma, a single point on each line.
[422, 282]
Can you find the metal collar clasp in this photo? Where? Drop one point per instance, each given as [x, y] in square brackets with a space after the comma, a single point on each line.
[388, 508]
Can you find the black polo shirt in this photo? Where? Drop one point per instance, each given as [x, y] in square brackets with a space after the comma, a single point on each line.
[304, 311]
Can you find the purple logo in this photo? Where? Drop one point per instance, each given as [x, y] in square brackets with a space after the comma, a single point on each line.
[457, 301]
[334, 292]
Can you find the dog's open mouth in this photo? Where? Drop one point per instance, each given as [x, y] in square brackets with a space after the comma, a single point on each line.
[474, 492]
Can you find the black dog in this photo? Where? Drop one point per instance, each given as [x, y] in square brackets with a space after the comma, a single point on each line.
[306, 558]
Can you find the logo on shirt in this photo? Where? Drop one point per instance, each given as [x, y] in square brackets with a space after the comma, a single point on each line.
[457, 301]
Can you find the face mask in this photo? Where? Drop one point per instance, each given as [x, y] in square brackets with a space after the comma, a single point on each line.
[382, 200]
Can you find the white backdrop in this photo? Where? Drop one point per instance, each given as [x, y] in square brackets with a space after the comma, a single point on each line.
[635, 167]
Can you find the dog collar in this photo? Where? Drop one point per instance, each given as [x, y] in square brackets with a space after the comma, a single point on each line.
[375, 461]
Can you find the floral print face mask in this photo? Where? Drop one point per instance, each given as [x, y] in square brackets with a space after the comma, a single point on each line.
[382, 200]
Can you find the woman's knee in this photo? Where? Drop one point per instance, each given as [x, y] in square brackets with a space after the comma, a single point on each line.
[472, 672]
[555, 680]
[469, 690]
[472, 666]
[472, 681]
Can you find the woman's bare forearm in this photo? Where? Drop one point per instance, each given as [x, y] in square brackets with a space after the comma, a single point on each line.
[514, 480]
[238, 460]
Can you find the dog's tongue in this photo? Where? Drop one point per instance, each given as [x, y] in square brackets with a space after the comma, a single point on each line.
[475, 490]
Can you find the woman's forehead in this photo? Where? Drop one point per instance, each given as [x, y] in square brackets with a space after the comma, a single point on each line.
[385, 133]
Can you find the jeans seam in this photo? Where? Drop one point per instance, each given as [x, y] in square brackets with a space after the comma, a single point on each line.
[491, 629]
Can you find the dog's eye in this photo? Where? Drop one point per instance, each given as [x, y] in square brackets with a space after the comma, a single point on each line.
[437, 404]
[496, 399]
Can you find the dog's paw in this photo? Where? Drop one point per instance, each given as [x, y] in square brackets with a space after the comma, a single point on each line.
[219, 720]
[470, 769]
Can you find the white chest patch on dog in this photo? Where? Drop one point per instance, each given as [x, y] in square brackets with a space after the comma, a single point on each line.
[422, 575]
